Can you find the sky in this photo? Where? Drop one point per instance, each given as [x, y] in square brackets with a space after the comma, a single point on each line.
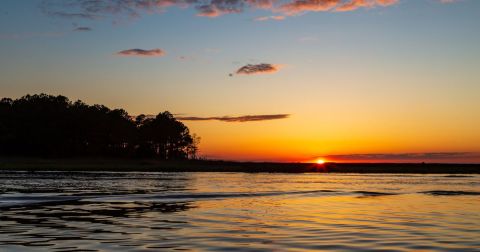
[265, 80]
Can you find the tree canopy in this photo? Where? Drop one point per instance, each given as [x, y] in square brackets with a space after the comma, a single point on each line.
[53, 126]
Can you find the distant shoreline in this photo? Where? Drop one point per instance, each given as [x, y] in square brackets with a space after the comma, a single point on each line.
[152, 165]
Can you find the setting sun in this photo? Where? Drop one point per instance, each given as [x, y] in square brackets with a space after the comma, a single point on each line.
[320, 161]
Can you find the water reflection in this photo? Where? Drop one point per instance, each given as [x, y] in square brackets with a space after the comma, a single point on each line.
[82, 221]
[215, 211]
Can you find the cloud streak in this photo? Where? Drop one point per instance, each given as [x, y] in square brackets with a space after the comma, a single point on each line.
[245, 118]
[296, 7]
[403, 156]
[142, 53]
[266, 18]
[94, 9]
[262, 68]
[82, 29]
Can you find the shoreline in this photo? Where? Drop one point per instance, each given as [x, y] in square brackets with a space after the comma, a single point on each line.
[152, 165]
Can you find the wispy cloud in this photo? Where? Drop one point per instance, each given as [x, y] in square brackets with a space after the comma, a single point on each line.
[185, 58]
[142, 53]
[245, 118]
[82, 29]
[404, 156]
[71, 15]
[299, 6]
[94, 9]
[266, 18]
[258, 68]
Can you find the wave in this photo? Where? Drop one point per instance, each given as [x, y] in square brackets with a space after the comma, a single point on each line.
[214, 195]
[450, 193]
[458, 176]
[19, 201]
[35, 199]
[8, 201]
[368, 193]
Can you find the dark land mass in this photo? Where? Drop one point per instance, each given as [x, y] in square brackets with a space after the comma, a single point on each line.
[153, 165]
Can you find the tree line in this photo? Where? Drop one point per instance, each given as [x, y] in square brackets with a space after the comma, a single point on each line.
[53, 126]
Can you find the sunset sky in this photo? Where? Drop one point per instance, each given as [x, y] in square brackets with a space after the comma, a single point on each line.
[265, 80]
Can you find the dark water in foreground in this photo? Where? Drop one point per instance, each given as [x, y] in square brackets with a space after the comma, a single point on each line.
[58, 211]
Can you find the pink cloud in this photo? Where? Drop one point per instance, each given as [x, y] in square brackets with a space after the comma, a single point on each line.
[299, 6]
[265, 18]
[205, 8]
[448, 1]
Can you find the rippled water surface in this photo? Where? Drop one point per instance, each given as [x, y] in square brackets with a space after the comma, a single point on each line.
[58, 211]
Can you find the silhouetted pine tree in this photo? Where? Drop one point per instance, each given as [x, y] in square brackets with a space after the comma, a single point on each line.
[52, 126]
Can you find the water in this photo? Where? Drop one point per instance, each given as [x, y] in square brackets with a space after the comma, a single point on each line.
[103, 211]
